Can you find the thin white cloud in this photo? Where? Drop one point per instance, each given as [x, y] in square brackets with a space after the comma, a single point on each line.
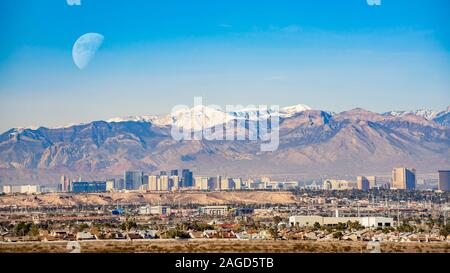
[225, 25]
[374, 2]
[73, 2]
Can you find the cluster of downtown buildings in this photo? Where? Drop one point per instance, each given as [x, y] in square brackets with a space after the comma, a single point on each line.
[402, 179]
[174, 180]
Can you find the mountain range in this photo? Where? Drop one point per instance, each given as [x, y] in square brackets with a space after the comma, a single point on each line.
[312, 143]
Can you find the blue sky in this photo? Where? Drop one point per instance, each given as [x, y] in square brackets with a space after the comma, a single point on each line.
[332, 55]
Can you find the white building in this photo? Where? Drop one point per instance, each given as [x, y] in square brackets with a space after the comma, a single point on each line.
[237, 183]
[153, 183]
[164, 183]
[26, 189]
[6, 189]
[110, 185]
[290, 185]
[174, 182]
[273, 185]
[375, 222]
[368, 222]
[214, 210]
[256, 185]
[201, 183]
[226, 184]
[156, 210]
[85, 235]
[333, 184]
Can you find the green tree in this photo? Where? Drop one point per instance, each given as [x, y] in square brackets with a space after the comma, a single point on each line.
[83, 227]
[277, 219]
[22, 229]
[341, 226]
[354, 225]
[445, 230]
[34, 231]
[405, 228]
[316, 226]
[337, 235]
[174, 233]
[274, 233]
[128, 225]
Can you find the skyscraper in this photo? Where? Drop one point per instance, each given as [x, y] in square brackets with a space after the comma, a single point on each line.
[110, 185]
[202, 183]
[365, 182]
[153, 183]
[120, 185]
[164, 183]
[133, 180]
[237, 183]
[65, 184]
[404, 178]
[444, 180]
[219, 183]
[187, 178]
[174, 182]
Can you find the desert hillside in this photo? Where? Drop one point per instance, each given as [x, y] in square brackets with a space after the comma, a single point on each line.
[202, 198]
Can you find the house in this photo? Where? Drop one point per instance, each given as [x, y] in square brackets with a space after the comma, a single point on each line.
[148, 234]
[209, 233]
[242, 235]
[70, 237]
[222, 235]
[265, 235]
[85, 235]
[118, 236]
[196, 234]
[134, 236]
[352, 237]
[258, 236]
[310, 236]
[50, 238]
[60, 234]
[228, 235]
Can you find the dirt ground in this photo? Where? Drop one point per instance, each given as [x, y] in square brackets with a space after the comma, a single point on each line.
[221, 246]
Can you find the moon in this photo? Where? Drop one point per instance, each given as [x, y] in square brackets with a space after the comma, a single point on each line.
[85, 48]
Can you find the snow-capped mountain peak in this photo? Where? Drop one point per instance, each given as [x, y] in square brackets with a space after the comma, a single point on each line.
[207, 116]
[426, 114]
[293, 110]
[132, 118]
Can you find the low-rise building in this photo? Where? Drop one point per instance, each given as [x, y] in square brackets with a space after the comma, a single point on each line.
[333, 184]
[85, 235]
[86, 187]
[26, 189]
[214, 210]
[110, 185]
[158, 210]
[369, 222]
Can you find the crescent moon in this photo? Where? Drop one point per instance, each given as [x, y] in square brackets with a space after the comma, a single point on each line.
[85, 48]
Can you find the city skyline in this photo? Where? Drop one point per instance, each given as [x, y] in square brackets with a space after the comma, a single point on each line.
[331, 56]
[171, 181]
[232, 134]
